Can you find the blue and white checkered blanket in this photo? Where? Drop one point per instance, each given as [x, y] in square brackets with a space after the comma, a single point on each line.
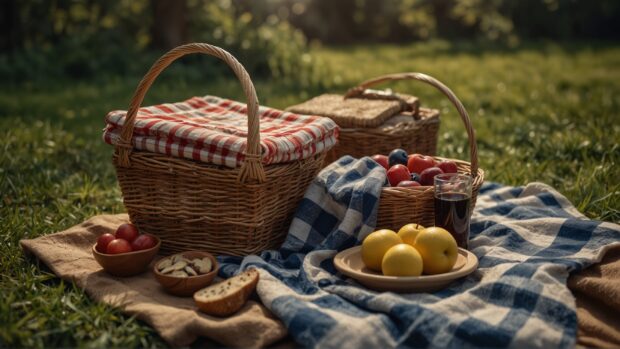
[527, 239]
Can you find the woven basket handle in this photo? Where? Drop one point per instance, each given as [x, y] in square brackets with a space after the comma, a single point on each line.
[473, 148]
[252, 167]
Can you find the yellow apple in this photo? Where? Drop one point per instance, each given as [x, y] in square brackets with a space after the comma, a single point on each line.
[438, 250]
[375, 245]
[402, 260]
[409, 232]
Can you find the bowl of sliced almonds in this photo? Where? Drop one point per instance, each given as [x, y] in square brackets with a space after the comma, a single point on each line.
[184, 273]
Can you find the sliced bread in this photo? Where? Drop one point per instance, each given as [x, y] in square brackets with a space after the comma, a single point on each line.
[228, 296]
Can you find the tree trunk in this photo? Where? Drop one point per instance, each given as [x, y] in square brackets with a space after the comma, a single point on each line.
[10, 26]
[169, 23]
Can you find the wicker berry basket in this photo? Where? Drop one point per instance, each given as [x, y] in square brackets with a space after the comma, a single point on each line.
[195, 205]
[416, 133]
[399, 206]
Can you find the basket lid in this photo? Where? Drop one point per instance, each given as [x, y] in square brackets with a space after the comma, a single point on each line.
[214, 130]
[370, 108]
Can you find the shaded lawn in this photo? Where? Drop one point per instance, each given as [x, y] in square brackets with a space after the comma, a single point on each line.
[542, 113]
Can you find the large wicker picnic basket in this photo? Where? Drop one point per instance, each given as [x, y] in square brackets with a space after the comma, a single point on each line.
[196, 205]
[392, 121]
[399, 206]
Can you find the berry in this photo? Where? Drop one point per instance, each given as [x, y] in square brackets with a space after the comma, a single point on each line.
[398, 156]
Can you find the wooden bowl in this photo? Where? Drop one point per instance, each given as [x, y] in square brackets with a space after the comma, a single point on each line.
[186, 286]
[349, 262]
[126, 264]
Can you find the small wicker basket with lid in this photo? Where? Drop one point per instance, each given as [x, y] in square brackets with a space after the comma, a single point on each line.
[375, 122]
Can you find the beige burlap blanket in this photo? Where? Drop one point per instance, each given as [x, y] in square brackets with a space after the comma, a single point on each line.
[68, 254]
[597, 291]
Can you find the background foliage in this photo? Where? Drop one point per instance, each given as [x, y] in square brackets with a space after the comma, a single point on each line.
[505, 21]
[82, 38]
[95, 39]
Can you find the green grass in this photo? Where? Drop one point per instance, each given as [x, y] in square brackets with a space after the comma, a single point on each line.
[544, 112]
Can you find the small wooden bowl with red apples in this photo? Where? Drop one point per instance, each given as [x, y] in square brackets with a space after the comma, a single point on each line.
[126, 252]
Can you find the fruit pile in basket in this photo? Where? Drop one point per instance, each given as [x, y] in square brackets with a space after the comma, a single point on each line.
[413, 170]
[410, 252]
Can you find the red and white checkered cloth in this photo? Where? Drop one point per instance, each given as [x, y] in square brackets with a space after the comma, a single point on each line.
[214, 130]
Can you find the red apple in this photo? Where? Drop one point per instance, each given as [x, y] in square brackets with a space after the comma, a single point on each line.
[103, 241]
[117, 246]
[418, 163]
[411, 156]
[127, 231]
[447, 166]
[408, 184]
[144, 242]
[382, 160]
[427, 176]
[397, 174]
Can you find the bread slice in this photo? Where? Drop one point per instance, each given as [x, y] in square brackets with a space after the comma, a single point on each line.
[228, 296]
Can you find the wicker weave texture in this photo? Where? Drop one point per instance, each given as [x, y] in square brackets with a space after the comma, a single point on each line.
[427, 79]
[400, 206]
[192, 205]
[418, 136]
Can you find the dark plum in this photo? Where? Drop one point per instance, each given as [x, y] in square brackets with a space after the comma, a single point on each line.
[427, 176]
[398, 156]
